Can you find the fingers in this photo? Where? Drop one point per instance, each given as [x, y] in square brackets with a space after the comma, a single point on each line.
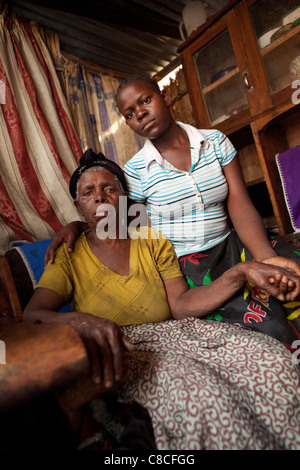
[127, 345]
[103, 369]
[274, 290]
[278, 281]
[283, 284]
[287, 288]
[293, 292]
[101, 359]
[294, 267]
[94, 358]
[50, 253]
[51, 250]
[118, 346]
[71, 242]
[68, 234]
[291, 286]
[107, 347]
[47, 256]
[289, 264]
[287, 280]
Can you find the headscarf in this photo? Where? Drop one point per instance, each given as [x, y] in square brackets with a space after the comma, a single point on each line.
[90, 159]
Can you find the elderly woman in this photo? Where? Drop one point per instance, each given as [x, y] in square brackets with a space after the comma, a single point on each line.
[136, 279]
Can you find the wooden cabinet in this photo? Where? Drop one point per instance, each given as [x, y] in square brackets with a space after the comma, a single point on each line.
[240, 68]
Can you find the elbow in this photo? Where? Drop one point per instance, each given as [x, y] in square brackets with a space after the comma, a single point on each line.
[181, 312]
[192, 303]
[182, 316]
[28, 314]
[32, 312]
[185, 309]
[178, 310]
[177, 315]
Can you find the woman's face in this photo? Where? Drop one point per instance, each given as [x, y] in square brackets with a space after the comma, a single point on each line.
[145, 109]
[97, 187]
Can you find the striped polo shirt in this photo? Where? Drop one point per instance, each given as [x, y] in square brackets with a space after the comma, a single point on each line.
[186, 206]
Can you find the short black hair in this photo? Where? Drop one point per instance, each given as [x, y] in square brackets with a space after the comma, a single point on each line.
[137, 78]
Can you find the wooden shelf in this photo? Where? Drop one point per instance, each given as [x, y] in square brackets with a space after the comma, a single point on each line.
[221, 80]
[282, 40]
[257, 181]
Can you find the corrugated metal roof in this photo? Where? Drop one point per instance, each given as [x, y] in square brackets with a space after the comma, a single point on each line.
[128, 36]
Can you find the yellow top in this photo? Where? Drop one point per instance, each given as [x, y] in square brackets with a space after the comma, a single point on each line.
[90, 286]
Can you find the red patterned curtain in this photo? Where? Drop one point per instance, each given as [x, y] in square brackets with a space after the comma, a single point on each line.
[39, 148]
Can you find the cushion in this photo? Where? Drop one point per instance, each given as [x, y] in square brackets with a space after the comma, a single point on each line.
[26, 262]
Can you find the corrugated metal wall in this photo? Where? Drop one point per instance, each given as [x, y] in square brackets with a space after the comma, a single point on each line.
[129, 36]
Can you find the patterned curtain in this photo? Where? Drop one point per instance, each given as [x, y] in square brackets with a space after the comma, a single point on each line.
[100, 126]
[39, 148]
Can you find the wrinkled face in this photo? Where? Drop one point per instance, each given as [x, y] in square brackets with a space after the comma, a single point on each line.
[96, 187]
[145, 109]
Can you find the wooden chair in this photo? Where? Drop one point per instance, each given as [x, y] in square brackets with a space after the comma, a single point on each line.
[9, 300]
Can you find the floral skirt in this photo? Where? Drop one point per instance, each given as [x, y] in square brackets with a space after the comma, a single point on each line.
[251, 307]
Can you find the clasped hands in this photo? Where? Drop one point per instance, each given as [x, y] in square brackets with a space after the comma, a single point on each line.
[281, 279]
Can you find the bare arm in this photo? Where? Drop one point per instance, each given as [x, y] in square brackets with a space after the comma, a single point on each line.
[245, 218]
[248, 223]
[103, 339]
[201, 301]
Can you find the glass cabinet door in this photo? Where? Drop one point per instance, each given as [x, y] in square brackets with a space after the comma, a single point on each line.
[277, 28]
[219, 79]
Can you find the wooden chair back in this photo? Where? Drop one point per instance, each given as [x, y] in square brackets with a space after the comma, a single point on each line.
[9, 300]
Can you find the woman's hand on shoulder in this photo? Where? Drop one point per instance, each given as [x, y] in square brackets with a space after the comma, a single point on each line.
[68, 234]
